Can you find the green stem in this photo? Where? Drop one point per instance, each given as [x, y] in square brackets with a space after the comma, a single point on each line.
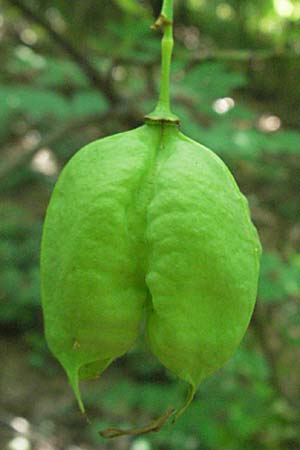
[162, 112]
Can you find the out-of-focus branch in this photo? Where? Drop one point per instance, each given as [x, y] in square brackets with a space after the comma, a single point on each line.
[240, 55]
[102, 83]
[231, 55]
[258, 323]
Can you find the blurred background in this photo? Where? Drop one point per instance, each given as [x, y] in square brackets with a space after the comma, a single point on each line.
[75, 71]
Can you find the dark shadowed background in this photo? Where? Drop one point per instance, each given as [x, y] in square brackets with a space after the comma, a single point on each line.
[74, 71]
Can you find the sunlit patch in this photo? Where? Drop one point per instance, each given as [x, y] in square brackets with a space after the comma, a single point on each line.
[57, 21]
[296, 11]
[20, 424]
[31, 138]
[141, 444]
[224, 11]
[28, 36]
[284, 8]
[27, 55]
[223, 105]
[44, 162]
[268, 25]
[19, 443]
[268, 123]
[196, 4]
[1, 20]
[119, 73]
[241, 139]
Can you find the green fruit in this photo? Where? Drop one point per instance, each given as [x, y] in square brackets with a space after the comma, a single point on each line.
[148, 222]
[147, 216]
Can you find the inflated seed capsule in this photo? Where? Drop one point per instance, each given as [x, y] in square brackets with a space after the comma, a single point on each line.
[147, 213]
[148, 218]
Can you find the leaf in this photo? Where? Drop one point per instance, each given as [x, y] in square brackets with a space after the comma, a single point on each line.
[278, 279]
[37, 103]
[24, 60]
[59, 73]
[208, 82]
[131, 6]
[85, 103]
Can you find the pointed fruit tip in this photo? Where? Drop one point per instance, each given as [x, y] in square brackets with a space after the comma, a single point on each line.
[74, 381]
[188, 401]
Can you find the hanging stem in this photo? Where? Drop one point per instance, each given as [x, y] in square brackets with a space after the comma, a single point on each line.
[153, 427]
[162, 112]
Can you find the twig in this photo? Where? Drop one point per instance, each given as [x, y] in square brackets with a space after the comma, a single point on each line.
[259, 321]
[206, 55]
[240, 55]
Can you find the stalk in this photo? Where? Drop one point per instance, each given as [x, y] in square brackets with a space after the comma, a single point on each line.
[162, 112]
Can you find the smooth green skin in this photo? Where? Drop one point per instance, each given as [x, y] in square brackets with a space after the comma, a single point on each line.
[147, 217]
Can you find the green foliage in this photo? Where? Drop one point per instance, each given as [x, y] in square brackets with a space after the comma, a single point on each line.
[35, 104]
[89, 102]
[280, 279]
[58, 72]
[207, 82]
[32, 102]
